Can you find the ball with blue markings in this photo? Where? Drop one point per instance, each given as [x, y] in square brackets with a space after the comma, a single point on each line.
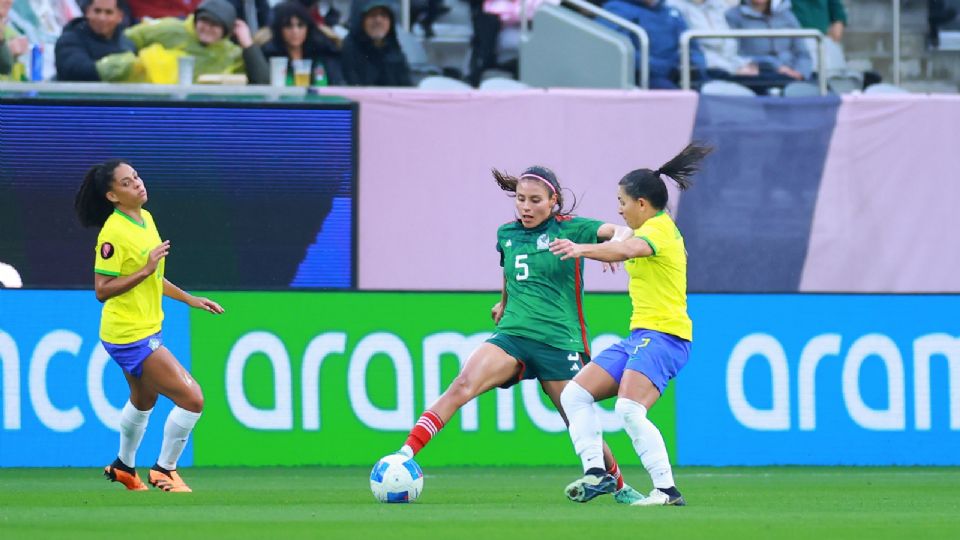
[396, 479]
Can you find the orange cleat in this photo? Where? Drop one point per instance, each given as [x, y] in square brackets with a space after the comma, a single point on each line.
[118, 472]
[168, 480]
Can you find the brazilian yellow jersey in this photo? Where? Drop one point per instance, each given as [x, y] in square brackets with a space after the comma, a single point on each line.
[658, 283]
[123, 247]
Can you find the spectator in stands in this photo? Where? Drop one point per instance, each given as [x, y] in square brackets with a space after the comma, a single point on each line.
[296, 37]
[781, 60]
[89, 38]
[371, 52]
[158, 9]
[720, 54]
[663, 25]
[205, 36]
[827, 16]
[12, 44]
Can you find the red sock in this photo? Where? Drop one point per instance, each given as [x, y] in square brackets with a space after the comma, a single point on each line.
[614, 471]
[427, 427]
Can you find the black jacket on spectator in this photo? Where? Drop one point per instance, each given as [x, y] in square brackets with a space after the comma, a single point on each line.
[79, 48]
[365, 64]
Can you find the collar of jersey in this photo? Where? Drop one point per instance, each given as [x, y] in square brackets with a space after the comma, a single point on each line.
[539, 228]
[130, 219]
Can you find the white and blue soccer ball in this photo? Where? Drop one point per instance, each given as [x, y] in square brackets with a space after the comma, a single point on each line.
[396, 479]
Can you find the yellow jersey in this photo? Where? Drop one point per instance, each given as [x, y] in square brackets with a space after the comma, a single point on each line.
[658, 283]
[123, 247]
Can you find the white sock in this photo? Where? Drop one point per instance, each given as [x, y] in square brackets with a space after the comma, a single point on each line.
[133, 423]
[175, 432]
[585, 428]
[647, 441]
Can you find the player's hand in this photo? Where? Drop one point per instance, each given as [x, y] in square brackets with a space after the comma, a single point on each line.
[156, 254]
[611, 267]
[205, 304]
[565, 249]
[496, 312]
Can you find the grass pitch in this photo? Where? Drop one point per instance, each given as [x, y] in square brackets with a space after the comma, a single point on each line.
[488, 503]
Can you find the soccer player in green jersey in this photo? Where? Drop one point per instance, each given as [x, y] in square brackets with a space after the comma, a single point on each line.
[541, 332]
[638, 368]
[128, 278]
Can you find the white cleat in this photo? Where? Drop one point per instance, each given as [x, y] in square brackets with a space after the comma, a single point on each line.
[659, 498]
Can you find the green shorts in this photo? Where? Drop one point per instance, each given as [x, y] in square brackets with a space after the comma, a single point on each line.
[539, 360]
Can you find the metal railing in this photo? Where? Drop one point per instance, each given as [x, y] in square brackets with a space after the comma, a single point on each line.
[641, 34]
[896, 42]
[405, 14]
[798, 33]
[12, 89]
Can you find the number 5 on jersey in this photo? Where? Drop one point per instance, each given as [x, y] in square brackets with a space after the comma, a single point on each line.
[522, 267]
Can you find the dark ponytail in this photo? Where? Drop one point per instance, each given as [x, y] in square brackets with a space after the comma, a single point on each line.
[91, 202]
[647, 184]
[543, 174]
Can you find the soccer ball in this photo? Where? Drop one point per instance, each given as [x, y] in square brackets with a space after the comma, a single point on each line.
[396, 479]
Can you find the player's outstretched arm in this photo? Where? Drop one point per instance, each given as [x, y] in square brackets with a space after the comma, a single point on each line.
[199, 302]
[631, 248]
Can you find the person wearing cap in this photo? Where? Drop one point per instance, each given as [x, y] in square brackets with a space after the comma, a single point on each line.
[89, 38]
[540, 329]
[205, 35]
[371, 53]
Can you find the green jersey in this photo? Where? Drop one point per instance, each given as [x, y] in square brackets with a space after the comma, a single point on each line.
[545, 294]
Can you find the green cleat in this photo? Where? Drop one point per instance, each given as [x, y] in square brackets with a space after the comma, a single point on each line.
[590, 486]
[627, 495]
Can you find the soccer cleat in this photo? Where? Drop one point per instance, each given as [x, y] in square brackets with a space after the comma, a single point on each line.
[627, 495]
[659, 498]
[168, 480]
[590, 486]
[118, 472]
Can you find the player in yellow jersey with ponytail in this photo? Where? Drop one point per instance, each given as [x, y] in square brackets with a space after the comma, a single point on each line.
[129, 280]
[638, 368]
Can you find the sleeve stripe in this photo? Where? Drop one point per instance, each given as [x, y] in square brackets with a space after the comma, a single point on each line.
[106, 272]
[650, 242]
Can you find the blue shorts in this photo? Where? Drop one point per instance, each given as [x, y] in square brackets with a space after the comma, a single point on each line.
[657, 355]
[130, 356]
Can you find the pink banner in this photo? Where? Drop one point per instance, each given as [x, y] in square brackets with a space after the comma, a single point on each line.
[887, 211]
[428, 206]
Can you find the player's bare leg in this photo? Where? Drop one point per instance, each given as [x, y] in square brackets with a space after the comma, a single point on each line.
[164, 374]
[488, 367]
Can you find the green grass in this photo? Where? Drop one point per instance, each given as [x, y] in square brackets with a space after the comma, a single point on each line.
[493, 504]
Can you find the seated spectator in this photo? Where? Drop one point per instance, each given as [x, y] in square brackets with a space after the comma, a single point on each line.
[89, 38]
[371, 53]
[12, 44]
[205, 35]
[159, 9]
[781, 60]
[296, 37]
[720, 54]
[663, 25]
